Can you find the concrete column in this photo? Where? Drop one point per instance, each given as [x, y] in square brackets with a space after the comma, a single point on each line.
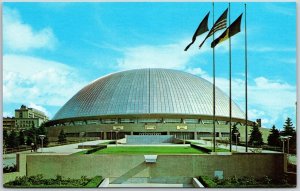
[105, 135]
[195, 135]
[168, 132]
[131, 133]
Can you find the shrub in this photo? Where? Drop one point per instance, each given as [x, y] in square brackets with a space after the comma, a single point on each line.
[8, 169]
[284, 179]
[38, 180]
[207, 182]
[245, 182]
[266, 180]
[234, 180]
[95, 182]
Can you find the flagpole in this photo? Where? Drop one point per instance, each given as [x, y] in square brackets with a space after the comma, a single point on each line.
[230, 107]
[246, 80]
[214, 89]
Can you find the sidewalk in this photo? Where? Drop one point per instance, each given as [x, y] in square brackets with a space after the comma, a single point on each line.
[240, 149]
[10, 159]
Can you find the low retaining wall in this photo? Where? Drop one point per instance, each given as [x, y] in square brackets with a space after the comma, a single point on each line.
[21, 169]
[149, 139]
[120, 168]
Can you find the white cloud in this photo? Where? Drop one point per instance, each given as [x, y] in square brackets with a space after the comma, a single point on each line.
[170, 55]
[7, 114]
[159, 56]
[197, 71]
[262, 82]
[19, 36]
[255, 114]
[40, 108]
[271, 100]
[273, 97]
[267, 99]
[33, 80]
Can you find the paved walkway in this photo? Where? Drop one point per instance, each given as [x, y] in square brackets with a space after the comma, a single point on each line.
[240, 149]
[69, 149]
[10, 159]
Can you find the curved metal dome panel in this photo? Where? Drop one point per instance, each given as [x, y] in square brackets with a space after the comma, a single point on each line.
[147, 91]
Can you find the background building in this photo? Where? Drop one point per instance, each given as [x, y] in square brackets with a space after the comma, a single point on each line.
[24, 118]
[146, 102]
[9, 123]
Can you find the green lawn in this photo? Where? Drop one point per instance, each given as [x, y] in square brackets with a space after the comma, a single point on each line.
[147, 150]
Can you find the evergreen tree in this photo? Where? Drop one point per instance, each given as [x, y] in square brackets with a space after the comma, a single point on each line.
[32, 134]
[42, 131]
[62, 137]
[21, 138]
[289, 130]
[233, 136]
[12, 141]
[273, 138]
[256, 136]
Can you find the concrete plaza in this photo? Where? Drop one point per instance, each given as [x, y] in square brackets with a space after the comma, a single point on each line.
[10, 159]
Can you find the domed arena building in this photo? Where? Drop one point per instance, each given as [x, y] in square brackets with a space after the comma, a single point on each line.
[146, 102]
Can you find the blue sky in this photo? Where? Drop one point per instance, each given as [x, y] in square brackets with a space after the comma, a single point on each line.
[51, 50]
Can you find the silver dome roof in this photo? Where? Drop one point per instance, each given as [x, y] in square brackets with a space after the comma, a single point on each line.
[147, 91]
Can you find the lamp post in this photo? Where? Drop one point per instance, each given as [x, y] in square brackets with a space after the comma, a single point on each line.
[212, 140]
[283, 138]
[288, 144]
[117, 137]
[282, 144]
[236, 134]
[42, 139]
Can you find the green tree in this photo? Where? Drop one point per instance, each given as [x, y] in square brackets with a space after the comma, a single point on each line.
[233, 136]
[256, 136]
[21, 138]
[32, 134]
[273, 138]
[5, 137]
[62, 137]
[29, 141]
[289, 130]
[12, 141]
[42, 131]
